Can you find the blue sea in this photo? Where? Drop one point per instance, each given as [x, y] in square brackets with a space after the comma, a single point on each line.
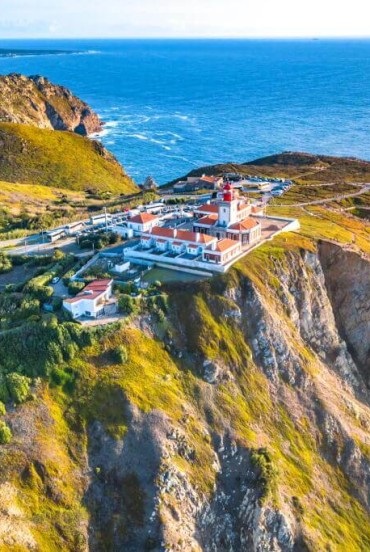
[173, 105]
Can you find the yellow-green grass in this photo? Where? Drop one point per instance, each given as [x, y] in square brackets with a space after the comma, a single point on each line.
[319, 223]
[58, 159]
[45, 480]
[301, 193]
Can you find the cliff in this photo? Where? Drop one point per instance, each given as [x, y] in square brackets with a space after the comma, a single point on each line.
[38, 102]
[237, 421]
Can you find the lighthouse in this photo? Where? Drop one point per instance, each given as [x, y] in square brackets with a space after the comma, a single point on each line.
[227, 192]
[228, 207]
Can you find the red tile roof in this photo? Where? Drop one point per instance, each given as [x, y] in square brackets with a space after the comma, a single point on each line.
[246, 224]
[162, 232]
[180, 235]
[143, 218]
[208, 220]
[225, 244]
[207, 208]
[210, 178]
[96, 288]
[97, 285]
[203, 238]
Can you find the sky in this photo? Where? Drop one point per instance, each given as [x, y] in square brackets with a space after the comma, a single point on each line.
[183, 18]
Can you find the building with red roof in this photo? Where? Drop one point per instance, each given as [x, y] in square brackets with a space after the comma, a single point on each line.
[143, 222]
[93, 301]
[230, 218]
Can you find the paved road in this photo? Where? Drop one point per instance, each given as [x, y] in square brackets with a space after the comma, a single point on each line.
[40, 247]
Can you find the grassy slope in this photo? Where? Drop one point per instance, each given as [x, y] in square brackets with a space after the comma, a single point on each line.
[154, 379]
[305, 167]
[58, 159]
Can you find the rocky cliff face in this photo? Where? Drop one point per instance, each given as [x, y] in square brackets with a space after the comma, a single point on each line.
[248, 430]
[347, 279]
[36, 101]
[310, 375]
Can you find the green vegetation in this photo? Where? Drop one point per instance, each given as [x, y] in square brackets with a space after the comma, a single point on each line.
[267, 473]
[18, 387]
[126, 304]
[59, 159]
[99, 240]
[5, 433]
[5, 263]
[75, 287]
[79, 376]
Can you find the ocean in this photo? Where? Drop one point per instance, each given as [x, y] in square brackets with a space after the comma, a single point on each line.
[173, 105]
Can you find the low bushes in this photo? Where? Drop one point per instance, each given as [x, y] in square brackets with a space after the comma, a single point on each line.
[120, 355]
[126, 304]
[5, 263]
[34, 349]
[75, 287]
[5, 433]
[266, 472]
[14, 387]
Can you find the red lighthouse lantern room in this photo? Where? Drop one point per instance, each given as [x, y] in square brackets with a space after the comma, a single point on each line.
[228, 194]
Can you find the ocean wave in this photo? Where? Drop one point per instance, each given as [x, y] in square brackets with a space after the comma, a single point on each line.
[111, 124]
[138, 136]
[14, 54]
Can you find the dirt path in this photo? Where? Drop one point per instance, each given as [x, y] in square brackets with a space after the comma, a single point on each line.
[365, 188]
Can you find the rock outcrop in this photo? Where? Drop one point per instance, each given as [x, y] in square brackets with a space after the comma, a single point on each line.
[36, 101]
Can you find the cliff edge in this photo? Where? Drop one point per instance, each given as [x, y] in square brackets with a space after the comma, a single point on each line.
[36, 101]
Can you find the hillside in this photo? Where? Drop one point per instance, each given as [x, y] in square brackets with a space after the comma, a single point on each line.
[303, 167]
[231, 414]
[38, 102]
[59, 159]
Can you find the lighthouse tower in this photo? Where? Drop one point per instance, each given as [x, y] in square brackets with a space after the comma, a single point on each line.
[228, 207]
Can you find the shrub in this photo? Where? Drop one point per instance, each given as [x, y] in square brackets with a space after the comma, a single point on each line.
[126, 304]
[2, 409]
[4, 393]
[67, 276]
[266, 471]
[58, 255]
[128, 288]
[5, 263]
[5, 433]
[40, 292]
[120, 355]
[18, 387]
[36, 348]
[75, 287]
[63, 377]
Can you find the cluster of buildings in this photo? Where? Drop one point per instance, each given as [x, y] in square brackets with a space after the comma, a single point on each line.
[217, 235]
[219, 231]
[195, 183]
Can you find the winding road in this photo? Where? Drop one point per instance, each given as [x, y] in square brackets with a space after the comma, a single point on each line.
[364, 188]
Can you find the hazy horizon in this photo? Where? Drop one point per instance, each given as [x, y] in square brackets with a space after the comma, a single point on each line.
[234, 19]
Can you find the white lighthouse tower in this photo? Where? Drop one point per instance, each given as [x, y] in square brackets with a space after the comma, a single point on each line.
[228, 207]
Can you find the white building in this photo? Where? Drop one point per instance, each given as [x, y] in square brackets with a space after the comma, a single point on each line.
[95, 300]
[144, 222]
[231, 218]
